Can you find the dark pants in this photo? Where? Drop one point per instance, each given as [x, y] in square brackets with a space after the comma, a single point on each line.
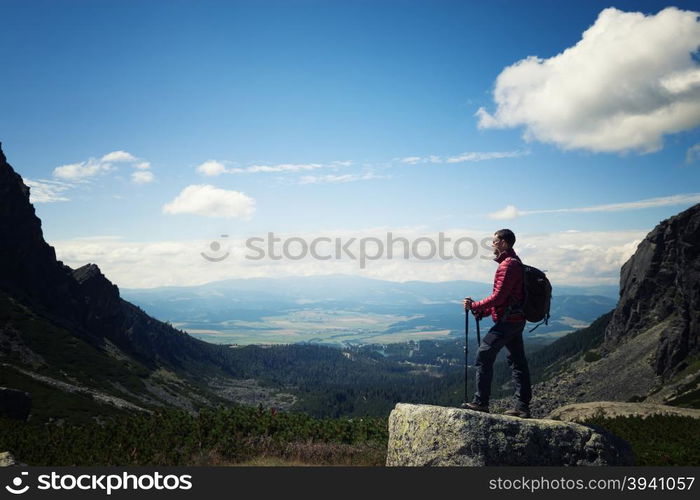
[508, 334]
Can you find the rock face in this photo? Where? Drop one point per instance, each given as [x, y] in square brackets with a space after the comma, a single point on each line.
[28, 266]
[83, 300]
[15, 404]
[421, 435]
[650, 351]
[37, 289]
[581, 412]
[660, 283]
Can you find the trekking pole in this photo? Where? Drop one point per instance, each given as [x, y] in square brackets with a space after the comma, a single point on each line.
[466, 353]
[478, 332]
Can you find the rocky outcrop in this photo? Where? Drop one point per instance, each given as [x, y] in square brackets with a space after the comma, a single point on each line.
[581, 412]
[15, 404]
[101, 304]
[660, 283]
[421, 435]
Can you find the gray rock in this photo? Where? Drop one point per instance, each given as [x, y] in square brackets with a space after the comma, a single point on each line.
[7, 460]
[659, 282]
[15, 404]
[422, 435]
[581, 412]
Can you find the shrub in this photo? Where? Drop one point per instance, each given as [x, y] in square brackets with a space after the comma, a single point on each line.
[657, 439]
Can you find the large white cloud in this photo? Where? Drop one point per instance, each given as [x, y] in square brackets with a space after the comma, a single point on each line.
[210, 201]
[630, 80]
[570, 257]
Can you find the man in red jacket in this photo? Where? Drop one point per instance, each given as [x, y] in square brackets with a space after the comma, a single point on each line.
[505, 305]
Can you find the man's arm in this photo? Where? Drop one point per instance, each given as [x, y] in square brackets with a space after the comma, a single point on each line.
[503, 286]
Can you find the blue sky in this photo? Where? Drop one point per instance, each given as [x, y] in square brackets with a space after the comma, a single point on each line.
[351, 118]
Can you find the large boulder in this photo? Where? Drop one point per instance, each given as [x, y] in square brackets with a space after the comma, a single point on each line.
[580, 412]
[422, 435]
[15, 404]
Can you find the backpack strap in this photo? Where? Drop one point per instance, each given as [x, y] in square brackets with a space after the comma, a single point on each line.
[517, 307]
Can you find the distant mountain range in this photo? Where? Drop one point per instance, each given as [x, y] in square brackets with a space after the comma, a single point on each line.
[344, 310]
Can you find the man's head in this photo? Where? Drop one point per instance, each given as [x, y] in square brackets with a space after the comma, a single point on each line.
[503, 240]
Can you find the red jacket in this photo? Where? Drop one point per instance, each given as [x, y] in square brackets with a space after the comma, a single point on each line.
[507, 289]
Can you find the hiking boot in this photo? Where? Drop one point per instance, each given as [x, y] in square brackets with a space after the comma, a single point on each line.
[518, 413]
[474, 407]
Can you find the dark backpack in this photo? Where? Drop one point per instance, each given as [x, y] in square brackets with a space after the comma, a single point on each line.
[538, 295]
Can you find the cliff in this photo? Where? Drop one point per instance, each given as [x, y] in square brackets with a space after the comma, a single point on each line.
[72, 330]
[661, 283]
[650, 351]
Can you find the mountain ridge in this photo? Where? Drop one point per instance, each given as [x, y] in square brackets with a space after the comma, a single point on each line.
[49, 312]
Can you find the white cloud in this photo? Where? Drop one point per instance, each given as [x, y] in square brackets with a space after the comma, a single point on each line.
[571, 258]
[412, 160]
[511, 212]
[98, 238]
[629, 81]
[214, 168]
[211, 168]
[82, 171]
[580, 258]
[464, 157]
[283, 167]
[210, 201]
[495, 155]
[682, 81]
[326, 179]
[118, 156]
[142, 177]
[43, 191]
